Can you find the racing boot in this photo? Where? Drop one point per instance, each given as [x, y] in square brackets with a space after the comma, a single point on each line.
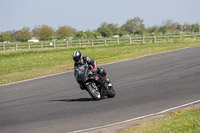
[108, 81]
[104, 89]
[104, 85]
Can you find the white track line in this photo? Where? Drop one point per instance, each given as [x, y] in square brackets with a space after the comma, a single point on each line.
[99, 65]
[138, 118]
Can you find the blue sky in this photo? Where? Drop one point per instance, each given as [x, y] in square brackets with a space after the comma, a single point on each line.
[89, 14]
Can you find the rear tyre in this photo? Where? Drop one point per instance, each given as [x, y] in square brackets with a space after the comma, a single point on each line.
[94, 91]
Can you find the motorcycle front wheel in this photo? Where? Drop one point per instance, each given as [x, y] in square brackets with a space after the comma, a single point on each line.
[94, 91]
[111, 92]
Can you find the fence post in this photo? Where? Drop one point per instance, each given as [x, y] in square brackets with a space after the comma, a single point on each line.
[4, 48]
[154, 39]
[29, 46]
[80, 43]
[16, 47]
[105, 42]
[117, 40]
[67, 43]
[92, 42]
[143, 39]
[42, 44]
[54, 44]
[180, 38]
[193, 38]
[130, 40]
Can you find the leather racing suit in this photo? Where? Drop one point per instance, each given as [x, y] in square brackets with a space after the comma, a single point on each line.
[102, 73]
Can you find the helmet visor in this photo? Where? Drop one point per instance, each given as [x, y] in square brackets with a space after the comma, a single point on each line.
[77, 59]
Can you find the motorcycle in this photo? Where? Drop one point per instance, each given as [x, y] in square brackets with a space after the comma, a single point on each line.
[92, 82]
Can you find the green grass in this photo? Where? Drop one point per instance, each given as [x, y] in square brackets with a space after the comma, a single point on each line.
[16, 66]
[181, 121]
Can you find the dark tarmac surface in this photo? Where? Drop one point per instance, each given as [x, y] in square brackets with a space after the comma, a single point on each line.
[146, 85]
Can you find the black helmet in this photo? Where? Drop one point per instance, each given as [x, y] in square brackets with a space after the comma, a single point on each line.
[77, 56]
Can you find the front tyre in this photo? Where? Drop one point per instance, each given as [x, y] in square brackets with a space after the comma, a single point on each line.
[111, 92]
[94, 91]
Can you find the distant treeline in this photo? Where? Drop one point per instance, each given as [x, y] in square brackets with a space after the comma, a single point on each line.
[132, 27]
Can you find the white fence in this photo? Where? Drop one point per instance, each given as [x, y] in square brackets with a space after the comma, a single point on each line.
[17, 46]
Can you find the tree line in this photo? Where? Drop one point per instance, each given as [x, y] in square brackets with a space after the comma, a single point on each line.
[134, 26]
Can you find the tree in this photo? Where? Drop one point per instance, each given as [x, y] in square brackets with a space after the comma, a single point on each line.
[134, 26]
[195, 28]
[24, 34]
[1, 38]
[45, 33]
[105, 32]
[163, 29]
[35, 31]
[65, 31]
[114, 28]
[90, 34]
[108, 30]
[81, 35]
[168, 26]
[153, 29]
[5, 36]
[168, 22]
[13, 35]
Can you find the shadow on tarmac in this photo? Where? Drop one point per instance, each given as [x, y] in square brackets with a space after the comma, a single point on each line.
[73, 100]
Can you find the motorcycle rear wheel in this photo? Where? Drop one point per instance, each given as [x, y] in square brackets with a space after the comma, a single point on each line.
[94, 91]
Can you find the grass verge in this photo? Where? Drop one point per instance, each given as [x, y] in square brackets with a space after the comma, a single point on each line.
[16, 66]
[181, 121]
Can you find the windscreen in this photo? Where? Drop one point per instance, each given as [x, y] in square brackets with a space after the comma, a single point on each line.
[82, 73]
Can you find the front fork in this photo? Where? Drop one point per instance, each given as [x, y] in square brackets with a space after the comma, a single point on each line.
[94, 86]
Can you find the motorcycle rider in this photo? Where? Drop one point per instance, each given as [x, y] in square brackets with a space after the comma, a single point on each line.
[81, 60]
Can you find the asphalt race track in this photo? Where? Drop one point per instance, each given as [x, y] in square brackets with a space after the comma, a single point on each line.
[146, 85]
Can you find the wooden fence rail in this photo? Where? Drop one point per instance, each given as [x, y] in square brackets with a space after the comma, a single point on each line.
[97, 42]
